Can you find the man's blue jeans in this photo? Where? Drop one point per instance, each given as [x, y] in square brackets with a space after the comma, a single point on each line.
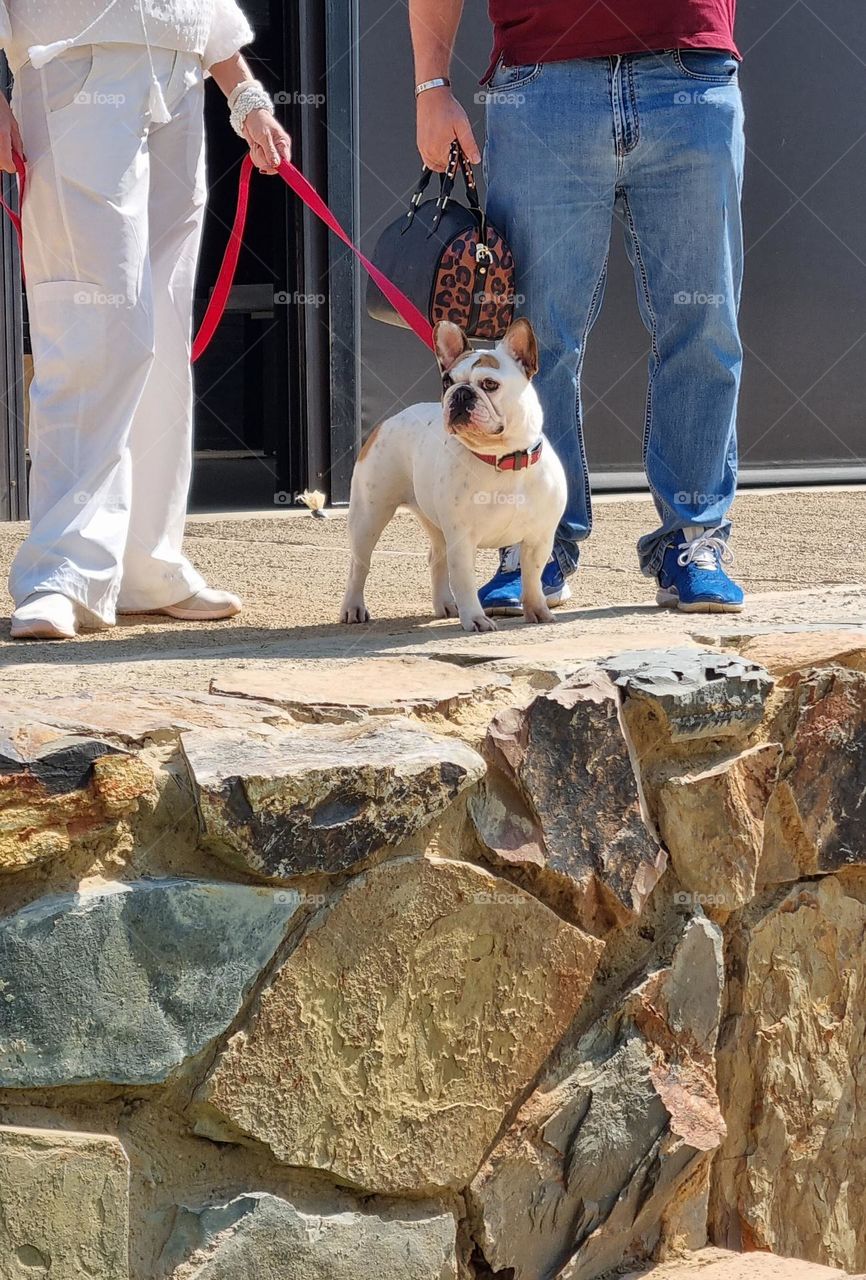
[657, 141]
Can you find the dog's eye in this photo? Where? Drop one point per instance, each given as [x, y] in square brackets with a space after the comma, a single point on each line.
[489, 384]
[447, 381]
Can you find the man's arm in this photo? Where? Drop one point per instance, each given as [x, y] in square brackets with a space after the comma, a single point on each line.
[440, 116]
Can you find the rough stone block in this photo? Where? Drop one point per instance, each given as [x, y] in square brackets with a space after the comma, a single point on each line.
[791, 1176]
[56, 790]
[124, 982]
[687, 694]
[64, 1206]
[372, 686]
[596, 1157]
[263, 1237]
[396, 1036]
[326, 797]
[563, 803]
[712, 825]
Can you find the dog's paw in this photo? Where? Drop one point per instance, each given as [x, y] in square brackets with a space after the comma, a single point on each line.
[479, 622]
[445, 609]
[539, 614]
[354, 613]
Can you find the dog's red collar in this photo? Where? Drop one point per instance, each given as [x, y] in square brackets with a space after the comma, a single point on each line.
[518, 461]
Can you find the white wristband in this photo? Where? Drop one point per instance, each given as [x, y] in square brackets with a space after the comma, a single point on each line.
[251, 98]
[239, 88]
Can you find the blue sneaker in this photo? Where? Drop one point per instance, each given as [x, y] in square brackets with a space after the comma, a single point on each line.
[502, 594]
[692, 577]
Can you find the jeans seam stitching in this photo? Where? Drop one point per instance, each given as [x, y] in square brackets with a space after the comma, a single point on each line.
[649, 421]
[633, 102]
[591, 317]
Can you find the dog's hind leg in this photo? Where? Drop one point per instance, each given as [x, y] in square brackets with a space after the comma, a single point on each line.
[444, 604]
[367, 519]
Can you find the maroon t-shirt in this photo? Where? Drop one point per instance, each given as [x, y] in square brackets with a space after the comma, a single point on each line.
[528, 31]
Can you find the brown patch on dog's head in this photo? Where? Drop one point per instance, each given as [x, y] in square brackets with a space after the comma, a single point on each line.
[487, 361]
[369, 442]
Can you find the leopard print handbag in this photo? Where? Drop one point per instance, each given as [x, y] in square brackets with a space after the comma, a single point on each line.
[447, 257]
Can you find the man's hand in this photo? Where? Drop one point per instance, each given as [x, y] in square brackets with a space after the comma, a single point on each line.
[10, 138]
[441, 119]
[269, 142]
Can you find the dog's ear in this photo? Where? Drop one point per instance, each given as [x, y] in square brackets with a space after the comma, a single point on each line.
[520, 343]
[450, 342]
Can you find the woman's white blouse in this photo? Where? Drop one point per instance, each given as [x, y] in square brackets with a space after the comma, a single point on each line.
[214, 29]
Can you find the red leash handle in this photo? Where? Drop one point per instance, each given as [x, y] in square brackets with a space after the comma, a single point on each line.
[295, 180]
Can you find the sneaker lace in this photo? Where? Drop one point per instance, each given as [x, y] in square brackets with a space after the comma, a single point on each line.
[509, 559]
[707, 551]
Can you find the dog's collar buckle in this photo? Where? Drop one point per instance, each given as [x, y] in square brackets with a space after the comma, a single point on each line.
[518, 461]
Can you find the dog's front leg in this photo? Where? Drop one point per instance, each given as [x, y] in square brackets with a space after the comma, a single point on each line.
[533, 557]
[461, 572]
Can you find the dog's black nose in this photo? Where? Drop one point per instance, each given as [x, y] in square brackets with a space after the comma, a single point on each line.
[462, 396]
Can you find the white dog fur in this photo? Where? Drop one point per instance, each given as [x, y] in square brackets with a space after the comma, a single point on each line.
[425, 459]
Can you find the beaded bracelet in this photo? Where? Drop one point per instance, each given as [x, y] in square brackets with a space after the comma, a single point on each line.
[244, 98]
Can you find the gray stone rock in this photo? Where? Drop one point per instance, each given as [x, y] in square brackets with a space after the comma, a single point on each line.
[602, 1150]
[324, 798]
[263, 1237]
[563, 803]
[125, 982]
[694, 693]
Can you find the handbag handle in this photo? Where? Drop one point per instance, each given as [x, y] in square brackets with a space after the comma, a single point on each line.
[456, 160]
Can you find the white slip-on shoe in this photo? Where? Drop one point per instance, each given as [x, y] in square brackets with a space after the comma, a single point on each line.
[45, 615]
[206, 605]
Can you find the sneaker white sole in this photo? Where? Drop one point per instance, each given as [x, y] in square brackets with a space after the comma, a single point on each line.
[670, 600]
[40, 629]
[553, 602]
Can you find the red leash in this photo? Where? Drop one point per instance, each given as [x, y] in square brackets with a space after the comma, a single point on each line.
[294, 179]
[14, 217]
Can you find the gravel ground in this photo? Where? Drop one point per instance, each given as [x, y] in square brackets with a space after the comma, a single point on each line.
[290, 569]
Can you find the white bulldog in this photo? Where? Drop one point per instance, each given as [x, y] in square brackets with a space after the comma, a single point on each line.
[476, 471]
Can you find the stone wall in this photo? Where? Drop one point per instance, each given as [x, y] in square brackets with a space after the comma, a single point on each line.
[523, 969]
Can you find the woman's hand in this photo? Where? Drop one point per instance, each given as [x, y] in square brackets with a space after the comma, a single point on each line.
[269, 142]
[10, 138]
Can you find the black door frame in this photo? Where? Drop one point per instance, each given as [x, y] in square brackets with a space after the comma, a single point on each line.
[343, 272]
[13, 467]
